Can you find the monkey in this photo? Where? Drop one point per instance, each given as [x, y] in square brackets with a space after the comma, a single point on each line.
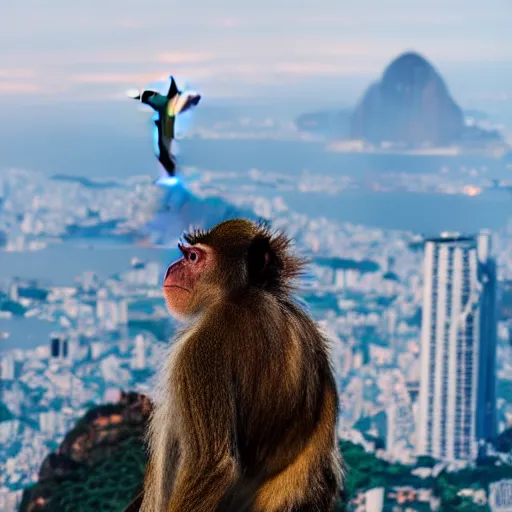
[246, 408]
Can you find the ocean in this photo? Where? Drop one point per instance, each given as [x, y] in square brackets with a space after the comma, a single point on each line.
[98, 152]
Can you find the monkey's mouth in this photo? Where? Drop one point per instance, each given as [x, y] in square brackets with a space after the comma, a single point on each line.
[176, 286]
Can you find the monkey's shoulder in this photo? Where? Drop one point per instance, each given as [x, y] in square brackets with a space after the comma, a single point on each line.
[202, 346]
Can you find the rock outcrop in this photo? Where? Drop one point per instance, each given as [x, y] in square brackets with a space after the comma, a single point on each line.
[100, 463]
[410, 105]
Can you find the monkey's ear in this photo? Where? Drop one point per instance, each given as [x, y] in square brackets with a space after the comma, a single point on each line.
[259, 257]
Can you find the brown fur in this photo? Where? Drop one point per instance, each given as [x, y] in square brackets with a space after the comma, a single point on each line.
[246, 418]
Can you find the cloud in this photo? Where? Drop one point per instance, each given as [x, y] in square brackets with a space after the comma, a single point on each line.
[8, 88]
[226, 22]
[18, 81]
[16, 73]
[181, 57]
[137, 78]
[67, 58]
[356, 49]
[319, 68]
[129, 23]
[116, 78]
[467, 51]
[195, 67]
[498, 97]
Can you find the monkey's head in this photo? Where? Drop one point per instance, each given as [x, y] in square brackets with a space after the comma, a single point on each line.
[235, 258]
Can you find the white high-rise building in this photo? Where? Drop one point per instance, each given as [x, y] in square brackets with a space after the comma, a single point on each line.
[400, 425]
[48, 422]
[7, 367]
[122, 309]
[457, 399]
[138, 361]
[13, 292]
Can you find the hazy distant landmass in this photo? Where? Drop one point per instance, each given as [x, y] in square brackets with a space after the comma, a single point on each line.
[363, 266]
[335, 124]
[409, 107]
[410, 104]
[86, 182]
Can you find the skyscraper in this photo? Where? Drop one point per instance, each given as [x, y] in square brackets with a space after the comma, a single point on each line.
[62, 349]
[457, 400]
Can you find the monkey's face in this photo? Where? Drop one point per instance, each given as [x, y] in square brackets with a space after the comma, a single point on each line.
[184, 280]
[229, 262]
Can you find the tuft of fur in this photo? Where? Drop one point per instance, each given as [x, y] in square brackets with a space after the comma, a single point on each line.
[270, 264]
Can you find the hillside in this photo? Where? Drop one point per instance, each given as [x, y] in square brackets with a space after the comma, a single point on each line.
[410, 104]
[100, 466]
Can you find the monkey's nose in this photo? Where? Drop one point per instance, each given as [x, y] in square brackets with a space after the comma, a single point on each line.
[171, 268]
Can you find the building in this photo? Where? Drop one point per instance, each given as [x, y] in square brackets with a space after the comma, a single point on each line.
[413, 389]
[111, 312]
[506, 300]
[51, 423]
[7, 367]
[500, 496]
[138, 360]
[457, 400]
[63, 350]
[10, 500]
[399, 426]
[59, 347]
[366, 501]
[397, 498]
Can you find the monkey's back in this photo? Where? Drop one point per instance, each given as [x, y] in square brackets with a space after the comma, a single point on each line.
[285, 392]
[248, 416]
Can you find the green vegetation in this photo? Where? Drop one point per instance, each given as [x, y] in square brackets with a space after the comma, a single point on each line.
[365, 471]
[108, 486]
[112, 476]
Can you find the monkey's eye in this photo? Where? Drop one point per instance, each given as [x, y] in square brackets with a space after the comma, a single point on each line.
[190, 254]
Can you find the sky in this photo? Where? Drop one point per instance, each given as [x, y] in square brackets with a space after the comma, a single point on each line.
[310, 50]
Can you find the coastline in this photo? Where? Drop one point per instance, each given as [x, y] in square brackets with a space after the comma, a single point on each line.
[357, 146]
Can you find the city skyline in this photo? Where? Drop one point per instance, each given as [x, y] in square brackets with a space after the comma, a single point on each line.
[366, 291]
